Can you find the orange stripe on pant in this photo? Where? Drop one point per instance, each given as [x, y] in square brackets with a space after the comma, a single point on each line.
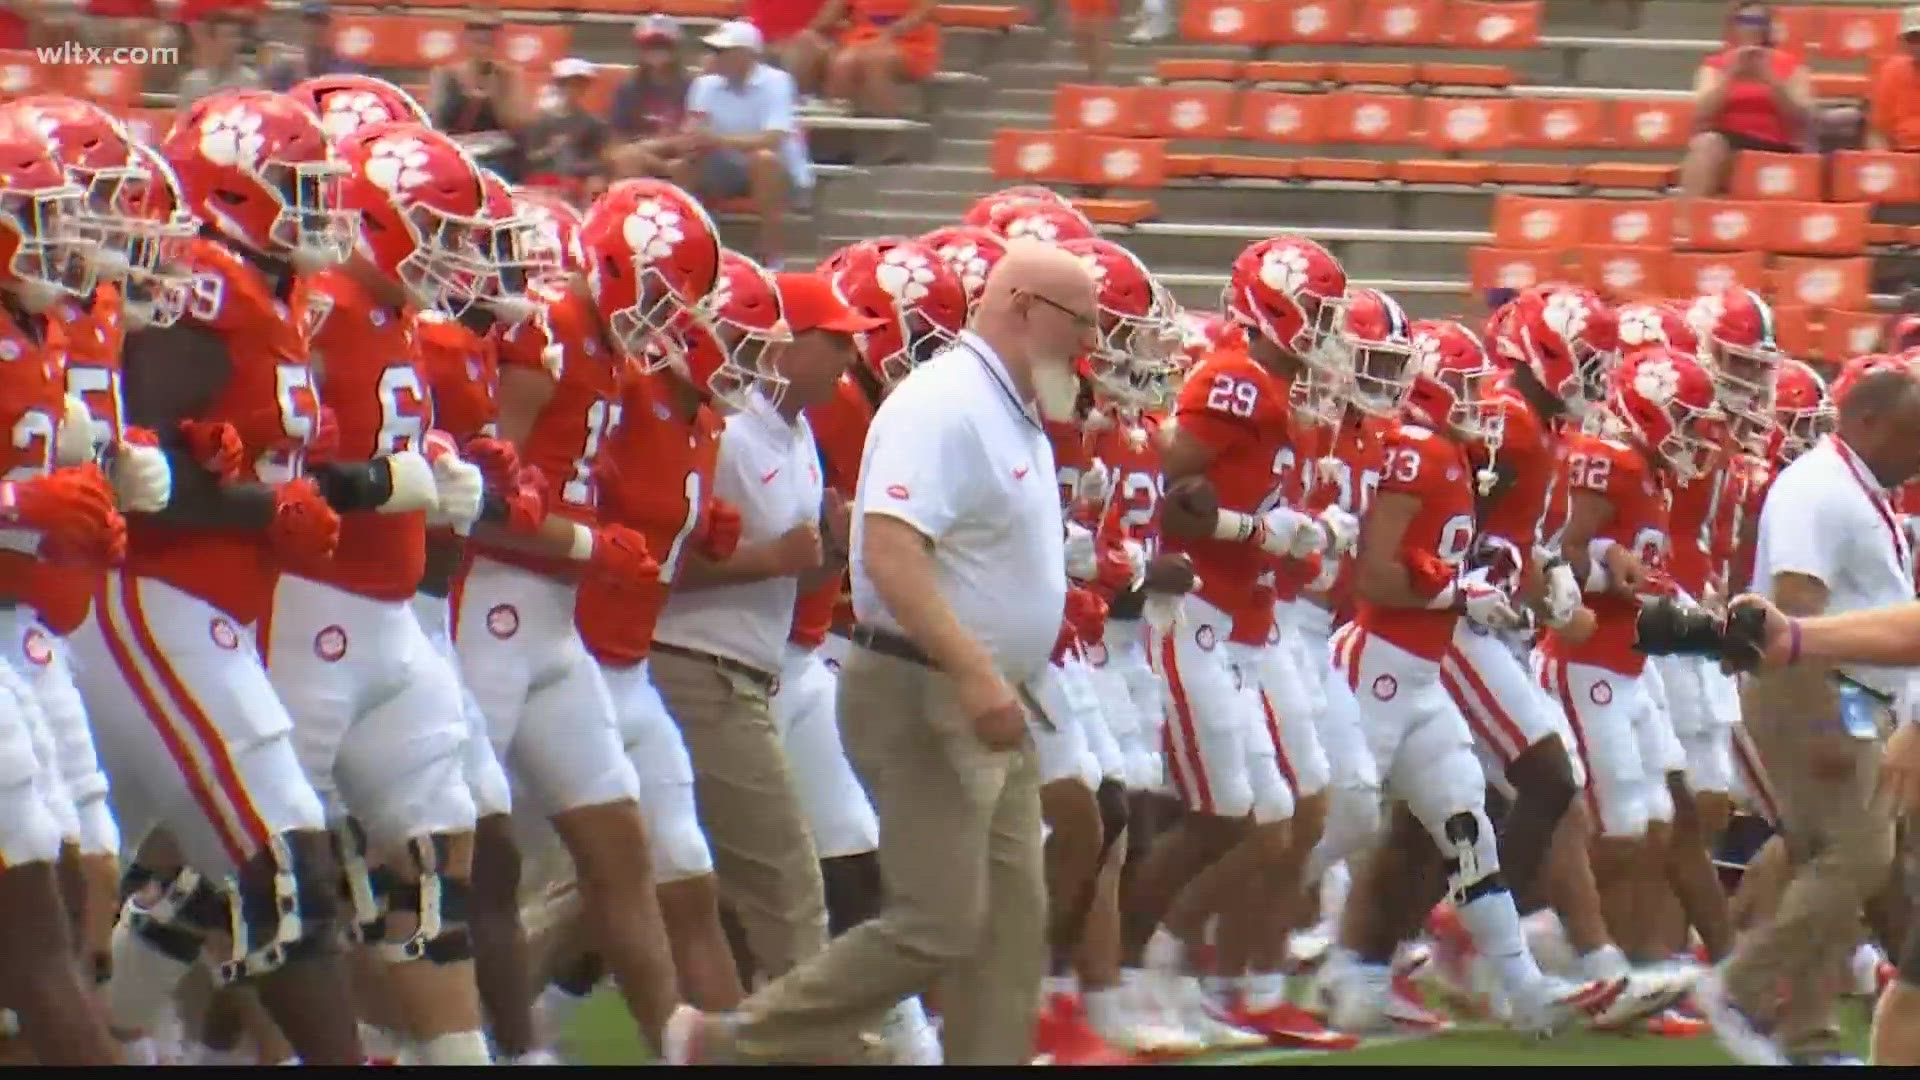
[1556, 672]
[1474, 697]
[1183, 715]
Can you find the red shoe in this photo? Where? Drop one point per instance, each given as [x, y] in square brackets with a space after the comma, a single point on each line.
[1062, 1037]
[1883, 976]
[1286, 1024]
[1407, 1006]
[1671, 1024]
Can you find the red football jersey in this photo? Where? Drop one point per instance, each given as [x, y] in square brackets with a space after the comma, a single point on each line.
[572, 428]
[840, 432]
[1435, 470]
[1130, 448]
[1620, 474]
[268, 397]
[463, 374]
[1749, 479]
[1240, 411]
[660, 478]
[32, 401]
[1348, 475]
[364, 358]
[1690, 524]
[1531, 452]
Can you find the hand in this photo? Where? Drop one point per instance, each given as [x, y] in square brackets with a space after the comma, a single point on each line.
[497, 460]
[304, 529]
[1116, 571]
[1563, 592]
[620, 558]
[73, 438]
[837, 518]
[1083, 562]
[1342, 529]
[142, 479]
[1624, 571]
[799, 549]
[215, 445]
[1171, 573]
[1579, 627]
[1292, 533]
[1775, 635]
[1086, 613]
[325, 444]
[1487, 604]
[458, 487]
[720, 530]
[1900, 769]
[999, 721]
[526, 501]
[73, 510]
[1093, 486]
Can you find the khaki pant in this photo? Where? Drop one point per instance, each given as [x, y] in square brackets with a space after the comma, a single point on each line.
[763, 854]
[1839, 842]
[965, 885]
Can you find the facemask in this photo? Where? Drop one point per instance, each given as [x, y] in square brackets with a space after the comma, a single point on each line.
[1057, 387]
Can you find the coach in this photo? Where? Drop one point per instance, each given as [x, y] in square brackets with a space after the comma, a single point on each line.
[1829, 542]
[959, 585]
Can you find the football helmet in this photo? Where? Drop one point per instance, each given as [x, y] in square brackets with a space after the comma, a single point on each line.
[1901, 332]
[980, 214]
[971, 252]
[155, 285]
[1451, 353]
[347, 103]
[1858, 368]
[1666, 400]
[257, 169]
[1735, 328]
[1202, 332]
[1655, 322]
[1377, 338]
[42, 258]
[1133, 360]
[1801, 411]
[1290, 290]
[1031, 219]
[553, 236]
[422, 211]
[506, 252]
[97, 152]
[652, 256]
[912, 288]
[732, 340]
[1567, 339]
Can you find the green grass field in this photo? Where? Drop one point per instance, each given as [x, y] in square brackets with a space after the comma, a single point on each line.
[602, 1035]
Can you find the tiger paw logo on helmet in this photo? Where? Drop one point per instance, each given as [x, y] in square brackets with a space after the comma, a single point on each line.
[1095, 268]
[1284, 270]
[232, 137]
[1640, 325]
[398, 165]
[1706, 312]
[1426, 353]
[1565, 314]
[653, 230]
[969, 263]
[1656, 381]
[904, 274]
[349, 112]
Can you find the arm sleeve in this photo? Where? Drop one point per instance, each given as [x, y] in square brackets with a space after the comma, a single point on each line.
[698, 95]
[1802, 533]
[780, 103]
[920, 462]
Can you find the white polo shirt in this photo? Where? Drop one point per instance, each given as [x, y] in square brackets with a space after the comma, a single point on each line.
[953, 453]
[770, 470]
[765, 101]
[1828, 518]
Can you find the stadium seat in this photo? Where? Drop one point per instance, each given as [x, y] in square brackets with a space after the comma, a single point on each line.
[1037, 156]
[1228, 22]
[1495, 24]
[1276, 117]
[1185, 112]
[1357, 117]
[1624, 272]
[1253, 167]
[1122, 212]
[1467, 124]
[1367, 73]
[1101, 110]
[1629, 222]
[1840, 85]
[1690, 273]
[1106, 161]
[1443, 171]
[1174, 69]
[1400, 22]
[1826, 283]
[1488, 76]
[1800, 28]
[1817, 228]
[1858, 33]
[1530, 222]
[1288, 72]
[1353, 170]
[1628, 176]
[114, 86]
[1796, 329]
[1559, 123]
[1850, 333]
[1876, 176]
[1508, 268]
[1313, 22]
[1759, 175]
[1535, 173]
[1652, 125]
[1727, 225]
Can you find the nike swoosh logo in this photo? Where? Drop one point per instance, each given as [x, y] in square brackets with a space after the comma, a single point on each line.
[768, 478]
[1020, 473]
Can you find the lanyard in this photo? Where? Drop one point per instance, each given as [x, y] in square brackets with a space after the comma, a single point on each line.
[1006, 390]
[1879, 499]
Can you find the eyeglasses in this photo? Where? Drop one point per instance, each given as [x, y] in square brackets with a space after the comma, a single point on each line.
[1080, 319]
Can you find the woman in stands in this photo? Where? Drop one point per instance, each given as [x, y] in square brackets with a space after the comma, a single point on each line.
[1751, 95]
[886, 43]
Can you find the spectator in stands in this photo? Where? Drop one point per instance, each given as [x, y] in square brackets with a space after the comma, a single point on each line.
[796, 34]
[650, 106]
[1750, 95]
[314, 56]
[1894, 120]
[216, 59]
[478, 94]
[1091, 22]
[743, 135]
[886, 43]
[567, 148]
[1155, 23]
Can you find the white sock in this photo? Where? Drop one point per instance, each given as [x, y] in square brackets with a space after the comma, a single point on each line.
[379, 1042]
[143, 981]
[1547, 941]
[909, 1015]
[1866, 967]
[1166, 953]
[1055, 986]
[1106, 1010]
[140, 1051]
[1605, 962]
[1219, 989]
[456, 1048]
[1495, 927]
[558, 1007]
[1335, 884]
[1263, 990]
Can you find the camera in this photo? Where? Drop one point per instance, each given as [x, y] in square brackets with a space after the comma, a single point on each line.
[1666, 627]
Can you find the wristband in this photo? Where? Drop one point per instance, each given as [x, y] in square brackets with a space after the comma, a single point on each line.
[582, 550]
[1233, 526]
[1793, 641]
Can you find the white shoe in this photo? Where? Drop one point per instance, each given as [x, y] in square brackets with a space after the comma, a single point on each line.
[1146, 1026]
[1308, 949]
[1552, 1004]
[910, 1039]
[1185, 1001]
[1737, 1033]
[1649, 991]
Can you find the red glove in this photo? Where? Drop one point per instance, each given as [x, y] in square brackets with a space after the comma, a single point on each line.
[73, 510]
[1086, 613]
[620, 558]
[139, 436]
[1113, 571]
[526, 499]
[720, 530]
[304, 529]
[325, 444]
[215, 445]
[496, 459]
[1426, 574]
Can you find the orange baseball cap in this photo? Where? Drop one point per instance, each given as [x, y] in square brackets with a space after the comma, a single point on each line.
[809, 302]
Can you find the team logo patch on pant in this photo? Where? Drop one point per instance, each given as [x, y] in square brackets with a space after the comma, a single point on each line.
[1602, 692]
[330, 644]
[38, 647]
[503, 621]
[225, 634]
[1204, 638]
[1385, 687]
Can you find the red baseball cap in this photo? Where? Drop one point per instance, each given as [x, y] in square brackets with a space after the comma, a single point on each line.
[809, 302]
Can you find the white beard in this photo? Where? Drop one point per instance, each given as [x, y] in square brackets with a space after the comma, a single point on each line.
[1057, 387]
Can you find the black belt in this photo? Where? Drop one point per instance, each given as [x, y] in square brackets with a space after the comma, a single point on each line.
[762, 679]
[888, 643]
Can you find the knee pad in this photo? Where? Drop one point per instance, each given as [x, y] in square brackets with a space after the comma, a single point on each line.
[1473, 866]
[176, 924]
[1111, 796]
[359, 884]
[439, 904]
[281, 912]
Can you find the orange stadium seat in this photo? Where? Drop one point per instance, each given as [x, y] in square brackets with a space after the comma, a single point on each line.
[1623, 272]
[1556, 123]
[1102, 110]
[1357, 117]
[1795, 329]
[1818, 228]
[1495, 24]
[1488, 76]
[1629, 222]
[1400, 22]
[1628, 176]
[1850, 333]
[1877, 176]
[1826, 283]
[1475, 123]
[1288, 72]
[1371, 73]
[1355, 170]
[1507, 268]
[1841, 85]
[1228, 22]
[1175, 69]
[1759, 175]
[1273, 116]
[396, 41]
[1253, 167]
[1106, 161]
[1125, 212]
[1189, 165]
[1535, 172]
[1186, 112]
[535, 45]
[1443, 171]
[1652, 125]
[1039, 156]
[1885, 234]
[1727, 225]
[1527, 221]
[115, 86]
[1858, 33]
[686, 9]
[1802, 29]
[1691, 273]
[980, 16]
[1313, 22]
